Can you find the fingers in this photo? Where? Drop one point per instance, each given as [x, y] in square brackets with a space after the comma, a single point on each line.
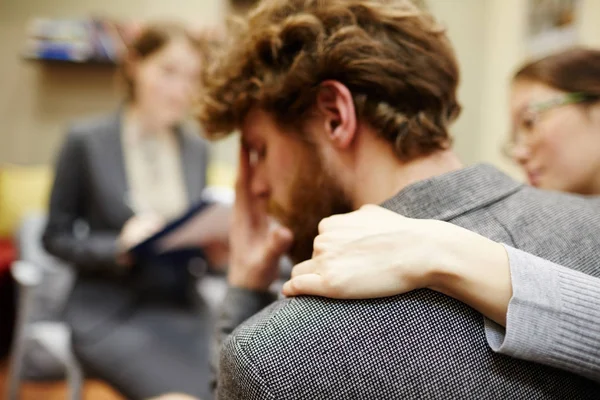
[330, 223]
[279, 241]
[375, 217]
[247, 208]
[153, 224]
[371, 207]
[139, 228]
[352, 219]
[282, 238]
[306, 267]
[148, 226]
[242, 183]
[309, 284]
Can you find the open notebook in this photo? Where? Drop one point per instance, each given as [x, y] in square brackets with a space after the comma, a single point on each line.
[182, 239]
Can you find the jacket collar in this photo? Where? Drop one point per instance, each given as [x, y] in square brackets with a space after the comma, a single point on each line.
[450, 195]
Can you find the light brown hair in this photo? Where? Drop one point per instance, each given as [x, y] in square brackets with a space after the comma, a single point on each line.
[576, 70]
[150, 40]
[394, 58]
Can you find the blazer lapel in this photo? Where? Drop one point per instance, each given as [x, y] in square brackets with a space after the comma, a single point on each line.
[115, 164]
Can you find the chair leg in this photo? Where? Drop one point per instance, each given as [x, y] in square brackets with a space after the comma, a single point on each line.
[18, 347]
[27, 276]
[75, 379]
[16, 366]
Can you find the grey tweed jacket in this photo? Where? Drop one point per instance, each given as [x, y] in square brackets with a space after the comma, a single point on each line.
[422, 344]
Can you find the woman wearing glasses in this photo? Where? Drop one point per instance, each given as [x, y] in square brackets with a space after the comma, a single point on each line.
[555, 109]
[544, 312]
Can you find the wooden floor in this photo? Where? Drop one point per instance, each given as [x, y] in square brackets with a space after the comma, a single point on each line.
[93, 390]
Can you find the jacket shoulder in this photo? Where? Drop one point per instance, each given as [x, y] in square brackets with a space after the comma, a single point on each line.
[82, 129]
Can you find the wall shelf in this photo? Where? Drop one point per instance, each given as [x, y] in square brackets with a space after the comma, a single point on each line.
[56, 61]
[92, 40]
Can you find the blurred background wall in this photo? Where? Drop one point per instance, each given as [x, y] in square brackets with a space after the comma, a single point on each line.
[490, 40]
[37, 100]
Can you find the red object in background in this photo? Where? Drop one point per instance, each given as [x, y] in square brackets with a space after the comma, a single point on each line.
[8, 254]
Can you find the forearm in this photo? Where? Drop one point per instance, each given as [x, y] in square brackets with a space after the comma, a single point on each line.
[475, 271]
[70, 197]
[96, 252]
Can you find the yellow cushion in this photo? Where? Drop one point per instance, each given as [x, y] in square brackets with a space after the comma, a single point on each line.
[221, 174]
[22, 190]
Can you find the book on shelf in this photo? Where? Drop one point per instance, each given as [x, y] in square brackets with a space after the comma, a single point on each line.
[94, 39]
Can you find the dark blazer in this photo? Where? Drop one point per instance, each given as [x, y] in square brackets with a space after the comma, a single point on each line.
[420, 345]
[88, 208]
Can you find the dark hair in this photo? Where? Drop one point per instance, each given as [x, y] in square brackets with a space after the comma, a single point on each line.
[150, 40]
[394, 58]
[576, 70]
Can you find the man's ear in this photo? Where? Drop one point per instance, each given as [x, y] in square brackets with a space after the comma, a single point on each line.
[335, 103]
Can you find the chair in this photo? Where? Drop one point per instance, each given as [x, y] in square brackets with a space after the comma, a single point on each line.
[44, 283]
[43, 286]
[214, 287]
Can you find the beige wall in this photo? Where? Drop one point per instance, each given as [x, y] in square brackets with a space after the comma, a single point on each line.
[37, 100]
[589, 29]
[464, 24]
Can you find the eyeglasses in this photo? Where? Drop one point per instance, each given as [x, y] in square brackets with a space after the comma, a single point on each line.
[523, 129]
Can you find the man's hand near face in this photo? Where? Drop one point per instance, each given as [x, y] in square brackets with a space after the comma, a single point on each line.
[256, 246]
[257, 242]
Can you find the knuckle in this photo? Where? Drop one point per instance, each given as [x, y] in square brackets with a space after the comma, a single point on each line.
[324, 224]
[318, 242]
[333, 281]
[296, 285]
[319, 246]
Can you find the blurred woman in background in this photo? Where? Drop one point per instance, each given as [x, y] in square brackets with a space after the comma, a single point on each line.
[141, 327]
[555, 109]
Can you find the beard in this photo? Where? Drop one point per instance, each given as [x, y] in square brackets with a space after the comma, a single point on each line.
[313, 195]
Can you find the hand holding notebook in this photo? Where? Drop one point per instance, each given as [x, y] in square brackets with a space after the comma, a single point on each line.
[184, 238]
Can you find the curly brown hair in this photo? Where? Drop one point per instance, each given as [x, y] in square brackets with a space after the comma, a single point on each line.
[393, 57]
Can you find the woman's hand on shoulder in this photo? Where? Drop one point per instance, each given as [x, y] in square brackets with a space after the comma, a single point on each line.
[374, 252]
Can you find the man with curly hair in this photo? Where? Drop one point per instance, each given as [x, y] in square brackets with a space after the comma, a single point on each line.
[343, 103]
